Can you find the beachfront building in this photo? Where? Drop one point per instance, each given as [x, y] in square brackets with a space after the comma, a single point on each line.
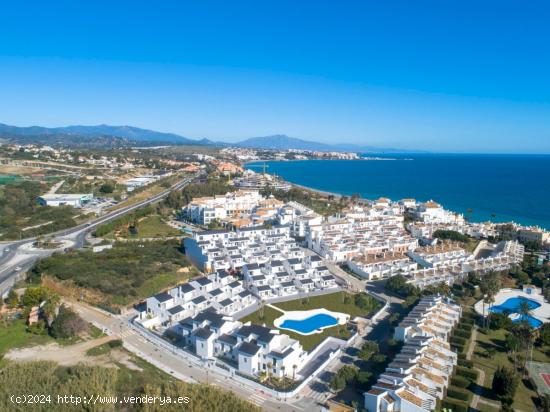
[432, 212]
[423, 230]
[204, 210]
[420, 373]
[251, 180]
[533, 234]
[58, 199]
[254, 350]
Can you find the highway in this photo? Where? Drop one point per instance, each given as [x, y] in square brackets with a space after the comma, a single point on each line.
[16, 257]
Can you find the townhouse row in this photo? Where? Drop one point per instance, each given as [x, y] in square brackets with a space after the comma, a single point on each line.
[251, 349]
[220, 291]
[420, 373]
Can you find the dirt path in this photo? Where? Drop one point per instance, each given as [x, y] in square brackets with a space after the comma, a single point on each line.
[64, 355]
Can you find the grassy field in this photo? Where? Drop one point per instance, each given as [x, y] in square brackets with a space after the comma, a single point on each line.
[333, 302]
[13, 334]
[154, 226]
[496, 338]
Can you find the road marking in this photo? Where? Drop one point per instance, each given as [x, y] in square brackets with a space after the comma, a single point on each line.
[257, 399]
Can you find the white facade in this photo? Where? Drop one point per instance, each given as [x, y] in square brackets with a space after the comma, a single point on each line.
[74, 200]
[420, 373]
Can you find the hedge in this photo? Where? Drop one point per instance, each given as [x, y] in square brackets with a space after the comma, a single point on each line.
[468, 373]
[459, 333]
[458, 341]
[454, 405]
[460, 381]
[466, 363]
[459, 393]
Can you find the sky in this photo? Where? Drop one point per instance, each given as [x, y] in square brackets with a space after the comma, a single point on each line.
[442, 76]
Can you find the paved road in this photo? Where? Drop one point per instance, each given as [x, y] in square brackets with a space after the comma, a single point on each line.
[179, 367]
[17, 256]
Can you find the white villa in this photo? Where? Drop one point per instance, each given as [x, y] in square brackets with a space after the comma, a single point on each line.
[253, 349]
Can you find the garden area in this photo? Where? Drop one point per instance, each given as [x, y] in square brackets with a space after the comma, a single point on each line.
[359, 304]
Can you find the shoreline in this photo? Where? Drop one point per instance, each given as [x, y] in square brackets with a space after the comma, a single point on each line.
[339, 195]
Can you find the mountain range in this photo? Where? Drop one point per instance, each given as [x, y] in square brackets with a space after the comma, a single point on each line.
[106, 136]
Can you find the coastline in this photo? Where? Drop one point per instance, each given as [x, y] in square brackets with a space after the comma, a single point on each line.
[483, 212]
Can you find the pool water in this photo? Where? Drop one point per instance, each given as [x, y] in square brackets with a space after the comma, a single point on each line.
[511, 305]
[309, 325]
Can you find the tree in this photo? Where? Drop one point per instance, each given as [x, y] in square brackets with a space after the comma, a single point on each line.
[513, 345]
[544, 334]
[505, 382]
[368, 349]
[337, 383]
[107, 188]
[34, 296]
[13, 299]
[67, 324]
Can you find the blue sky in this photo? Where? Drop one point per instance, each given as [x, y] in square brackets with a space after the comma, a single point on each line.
[454, 76]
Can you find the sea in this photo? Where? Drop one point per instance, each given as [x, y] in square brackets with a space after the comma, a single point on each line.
[500, 188]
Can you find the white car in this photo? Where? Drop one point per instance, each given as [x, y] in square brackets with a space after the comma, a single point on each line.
[17, 268]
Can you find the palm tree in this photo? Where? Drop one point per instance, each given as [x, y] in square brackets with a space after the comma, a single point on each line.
[524, 309]
[269, 366]
[294, 372]
[283, 370]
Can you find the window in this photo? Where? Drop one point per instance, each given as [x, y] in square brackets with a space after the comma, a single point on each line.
[244, 360]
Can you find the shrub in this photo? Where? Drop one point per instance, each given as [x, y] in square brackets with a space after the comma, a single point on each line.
[466, 372]
[456, 340]
[67, 324]
[466, 363]
[459, 393]
[454, 405]
[115, 343]
[460, 381]
[505, 382]
[460, 333]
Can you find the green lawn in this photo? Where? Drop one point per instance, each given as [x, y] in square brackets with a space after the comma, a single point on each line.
[154, 226]
[14, 334]
[496, 338]
[334, 302]
[149, 227]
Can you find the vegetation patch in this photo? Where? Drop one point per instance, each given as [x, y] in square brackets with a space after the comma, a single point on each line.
[119, 276]
[48, 378]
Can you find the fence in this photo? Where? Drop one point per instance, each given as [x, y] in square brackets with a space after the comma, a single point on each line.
[227, 371]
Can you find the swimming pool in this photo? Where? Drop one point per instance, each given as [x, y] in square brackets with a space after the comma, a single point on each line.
[311, 324]
[511, 305]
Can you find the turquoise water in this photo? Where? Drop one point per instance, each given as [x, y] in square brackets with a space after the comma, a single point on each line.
[493, 187]
[310, 324]
[512, 305]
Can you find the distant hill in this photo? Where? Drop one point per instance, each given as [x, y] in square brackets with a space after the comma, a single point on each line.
[105, 136]
[94, 136]
[282, 142]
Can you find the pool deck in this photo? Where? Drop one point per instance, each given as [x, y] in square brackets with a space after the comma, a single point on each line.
[342, 318]
[541, 313]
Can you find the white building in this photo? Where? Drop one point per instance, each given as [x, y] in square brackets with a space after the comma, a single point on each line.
[420, 373]
[58, 199]
[237, 204]
[254, 349]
